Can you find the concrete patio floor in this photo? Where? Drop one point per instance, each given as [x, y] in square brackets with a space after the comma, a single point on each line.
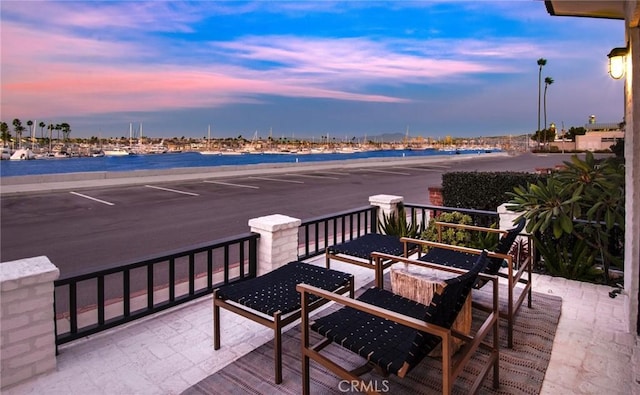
[169, 352]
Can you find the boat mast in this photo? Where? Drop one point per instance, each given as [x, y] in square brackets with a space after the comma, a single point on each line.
[33, 133]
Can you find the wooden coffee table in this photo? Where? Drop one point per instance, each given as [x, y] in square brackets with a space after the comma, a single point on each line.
[420, 284]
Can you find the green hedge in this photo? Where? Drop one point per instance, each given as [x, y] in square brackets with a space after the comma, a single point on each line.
[482, 190]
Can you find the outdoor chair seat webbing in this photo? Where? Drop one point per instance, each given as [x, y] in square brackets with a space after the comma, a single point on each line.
[451, 258]
[388, 344]
[276, 290]
[383, 342]
[363, 246]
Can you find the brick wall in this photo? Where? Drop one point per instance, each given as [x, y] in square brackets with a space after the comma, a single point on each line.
[435, 196]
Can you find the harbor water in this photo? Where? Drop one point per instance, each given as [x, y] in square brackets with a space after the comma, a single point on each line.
[12, 168]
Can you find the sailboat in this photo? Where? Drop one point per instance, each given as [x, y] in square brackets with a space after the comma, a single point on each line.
[22, 153]
[118, 150]
[208, 151]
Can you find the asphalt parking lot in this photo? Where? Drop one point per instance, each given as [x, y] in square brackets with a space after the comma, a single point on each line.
[87, 225]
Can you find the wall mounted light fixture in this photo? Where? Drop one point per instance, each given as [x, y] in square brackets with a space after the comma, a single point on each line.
[617, 62]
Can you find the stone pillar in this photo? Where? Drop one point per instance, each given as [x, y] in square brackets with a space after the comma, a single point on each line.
[27, 332]
[386, 204]
[278, 242]
[632, 176]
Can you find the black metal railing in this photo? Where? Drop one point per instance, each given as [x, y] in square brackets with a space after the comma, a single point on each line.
[316, 234]
[92, 302]
[423, 213]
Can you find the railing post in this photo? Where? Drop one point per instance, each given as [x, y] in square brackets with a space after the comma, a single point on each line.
[386, 204]
[278, 243]
[374, 219]
[27, 331]
[253, 257]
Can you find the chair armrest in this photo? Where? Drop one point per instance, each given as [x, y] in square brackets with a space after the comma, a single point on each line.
[430, 265]
[475, 251]
[470, 227]
[435, 244]
[372, 309]
[377, 311]
[408, 261]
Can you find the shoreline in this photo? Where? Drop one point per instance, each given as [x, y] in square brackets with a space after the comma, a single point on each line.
[65, 181]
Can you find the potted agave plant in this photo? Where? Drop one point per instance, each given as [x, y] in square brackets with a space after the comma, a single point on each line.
[396, 224]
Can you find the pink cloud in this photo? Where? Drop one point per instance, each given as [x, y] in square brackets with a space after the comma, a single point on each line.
[52, 71]
[49, 74]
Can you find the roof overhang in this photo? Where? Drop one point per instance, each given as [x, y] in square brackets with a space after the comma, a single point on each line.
[609, 9]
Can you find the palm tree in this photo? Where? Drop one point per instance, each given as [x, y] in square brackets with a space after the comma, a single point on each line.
[18, 128]
[42, 126]
[58, 127]
[30, 124]
[541, 62]
[5, 133]
[547, 81]
[50, 127]
[66, 130]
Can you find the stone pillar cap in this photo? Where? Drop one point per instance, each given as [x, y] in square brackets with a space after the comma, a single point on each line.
[385, 199]
[274, 222]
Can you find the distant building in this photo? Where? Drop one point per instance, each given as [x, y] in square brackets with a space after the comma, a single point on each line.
[598, 137]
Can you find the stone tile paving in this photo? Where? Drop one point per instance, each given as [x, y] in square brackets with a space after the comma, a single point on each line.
[592, 351]
[167, 353]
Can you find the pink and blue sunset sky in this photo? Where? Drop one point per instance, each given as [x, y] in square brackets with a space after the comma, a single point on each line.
[303, 68]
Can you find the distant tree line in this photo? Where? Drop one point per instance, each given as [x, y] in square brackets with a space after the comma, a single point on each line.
[19, 129]
[549, 134]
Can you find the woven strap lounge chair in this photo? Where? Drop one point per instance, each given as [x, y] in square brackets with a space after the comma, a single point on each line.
[394, 334]
[358, 252]
[272, 299]
[464, 258]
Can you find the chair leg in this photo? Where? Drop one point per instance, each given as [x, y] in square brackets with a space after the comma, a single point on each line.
[327, 258]
[529, 282]
[304, 342]
[510, 314]
[216, 322]
[378, 266]
[306, 387]
[277, 346]
[352, 286]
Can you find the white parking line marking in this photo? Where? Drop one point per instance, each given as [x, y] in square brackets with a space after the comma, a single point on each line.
[418, 169]
[232, 185]
[438, 166]
[92, 198]
[172, 190]
[336, 173]
[388, 172]
[312, 176]
[276, 179]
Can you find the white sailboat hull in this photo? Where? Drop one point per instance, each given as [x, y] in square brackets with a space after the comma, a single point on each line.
[116, 152]
[23, 154]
